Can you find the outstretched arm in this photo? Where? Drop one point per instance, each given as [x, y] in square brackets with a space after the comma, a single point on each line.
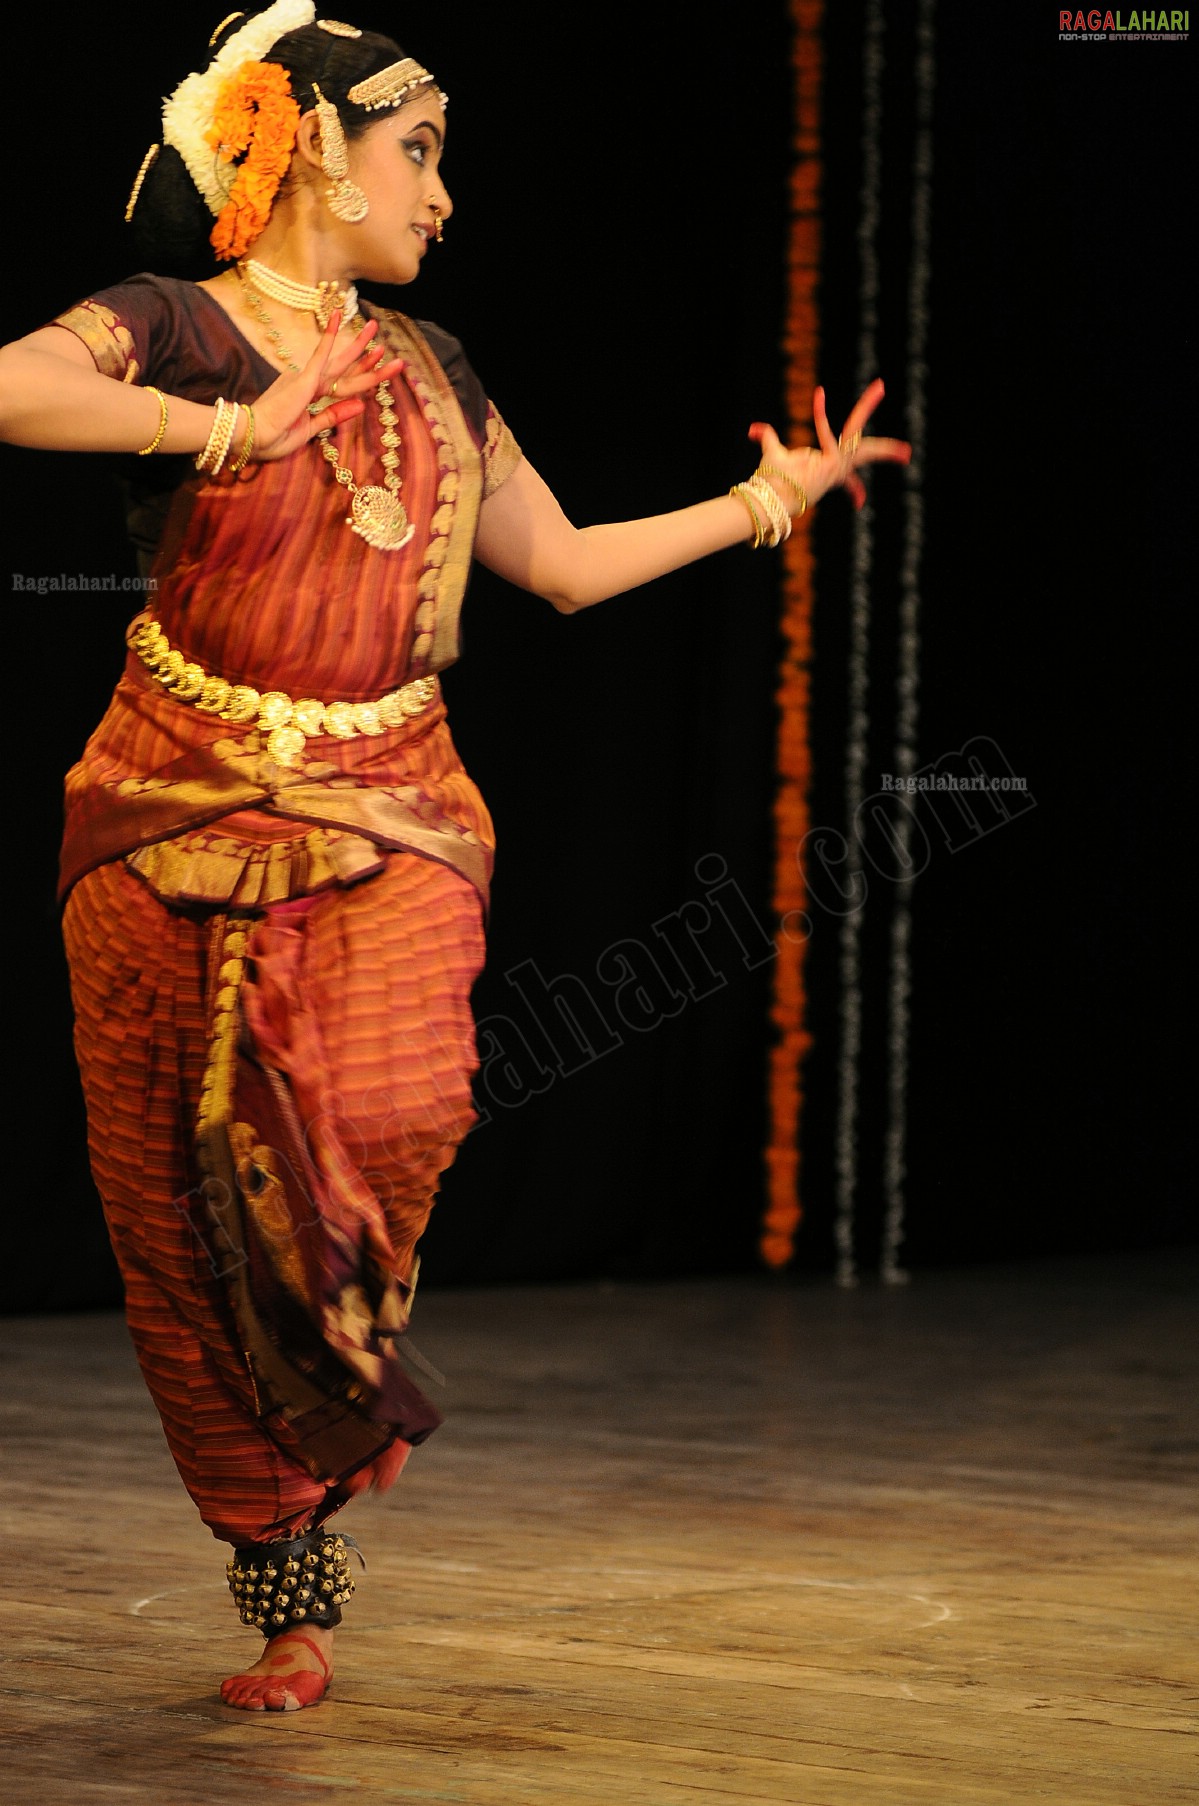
[52, 397]
[526, 538]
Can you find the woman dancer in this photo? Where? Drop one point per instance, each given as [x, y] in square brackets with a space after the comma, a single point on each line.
[275, 867]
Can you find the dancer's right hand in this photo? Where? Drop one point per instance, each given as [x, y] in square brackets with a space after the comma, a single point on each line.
[346, 368]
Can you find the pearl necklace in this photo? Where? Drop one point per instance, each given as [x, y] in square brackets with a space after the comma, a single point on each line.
[323, 300]
[376, 513]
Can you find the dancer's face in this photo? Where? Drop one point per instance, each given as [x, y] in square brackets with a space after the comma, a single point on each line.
[397, 165]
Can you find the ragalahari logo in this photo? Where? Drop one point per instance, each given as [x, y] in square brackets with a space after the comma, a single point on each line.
[1150, 26]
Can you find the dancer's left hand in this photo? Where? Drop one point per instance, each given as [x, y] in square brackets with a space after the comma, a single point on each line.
[834, 462]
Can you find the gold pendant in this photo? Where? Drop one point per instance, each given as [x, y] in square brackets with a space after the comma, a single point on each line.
[379, 517]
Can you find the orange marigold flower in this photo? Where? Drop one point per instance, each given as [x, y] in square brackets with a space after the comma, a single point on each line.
[255, 117]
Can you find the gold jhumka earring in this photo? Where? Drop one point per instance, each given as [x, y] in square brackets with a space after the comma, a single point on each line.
[346, 200]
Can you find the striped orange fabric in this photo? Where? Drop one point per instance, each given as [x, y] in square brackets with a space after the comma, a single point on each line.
[145, 731]
[312, 610]
[261, 582]
[387, 971]
[383, 847]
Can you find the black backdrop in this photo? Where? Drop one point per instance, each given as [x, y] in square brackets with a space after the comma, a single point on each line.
[615, 267]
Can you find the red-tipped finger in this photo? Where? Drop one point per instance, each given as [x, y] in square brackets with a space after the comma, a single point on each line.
[337, 413]
[327, 343]
[864, 407]
[880, 451]
[347, 352]
[824, 432]
[326, 346]
[382, 368]
[377, 372]
[370, 359]
[358, 344]
[768, 441]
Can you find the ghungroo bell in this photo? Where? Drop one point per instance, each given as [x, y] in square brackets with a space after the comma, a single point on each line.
[263, 1580]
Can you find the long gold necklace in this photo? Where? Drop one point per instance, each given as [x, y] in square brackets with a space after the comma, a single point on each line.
[376, 512]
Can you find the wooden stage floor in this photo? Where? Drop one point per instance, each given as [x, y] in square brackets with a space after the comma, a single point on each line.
[706, 1542]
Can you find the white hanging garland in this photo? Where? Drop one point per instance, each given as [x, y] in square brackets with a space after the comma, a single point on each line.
[857, 725]
[908, 664]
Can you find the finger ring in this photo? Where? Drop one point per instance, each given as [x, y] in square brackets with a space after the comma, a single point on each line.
[849, 445]
[333, 388]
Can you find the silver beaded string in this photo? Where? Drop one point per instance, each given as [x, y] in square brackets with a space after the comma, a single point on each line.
[858, 722]
[908, 667]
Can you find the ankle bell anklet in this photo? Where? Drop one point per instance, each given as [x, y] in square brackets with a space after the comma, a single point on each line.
[302, 1580]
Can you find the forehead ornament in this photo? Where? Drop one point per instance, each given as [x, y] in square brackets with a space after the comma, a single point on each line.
[392, 86]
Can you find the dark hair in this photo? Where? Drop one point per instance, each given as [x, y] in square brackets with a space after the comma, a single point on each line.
[171, 222]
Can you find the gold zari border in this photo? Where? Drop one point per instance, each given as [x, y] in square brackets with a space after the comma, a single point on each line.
[501, 454]
[106, 337]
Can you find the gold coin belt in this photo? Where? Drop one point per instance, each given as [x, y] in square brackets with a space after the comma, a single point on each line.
[288, 724]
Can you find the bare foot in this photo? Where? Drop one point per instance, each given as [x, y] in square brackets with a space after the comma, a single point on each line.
[294, 1670]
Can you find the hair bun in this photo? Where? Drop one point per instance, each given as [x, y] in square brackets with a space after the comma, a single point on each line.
[170, 223]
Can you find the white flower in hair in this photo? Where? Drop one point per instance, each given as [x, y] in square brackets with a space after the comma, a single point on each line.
[189, 112]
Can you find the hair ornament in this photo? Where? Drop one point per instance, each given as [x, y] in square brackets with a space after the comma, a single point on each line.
[227, 20]
[392, 86]
[189, 113]
[255, 119]
[146, 164]
[336, 29]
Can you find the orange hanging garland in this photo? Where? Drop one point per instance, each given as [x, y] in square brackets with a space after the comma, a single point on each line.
[256, 113]
[794, 756]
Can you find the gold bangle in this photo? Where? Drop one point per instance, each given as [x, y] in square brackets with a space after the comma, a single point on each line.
[741, 492]
[243, 456]
[772, 470]
[159, 436]
[774, 508]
